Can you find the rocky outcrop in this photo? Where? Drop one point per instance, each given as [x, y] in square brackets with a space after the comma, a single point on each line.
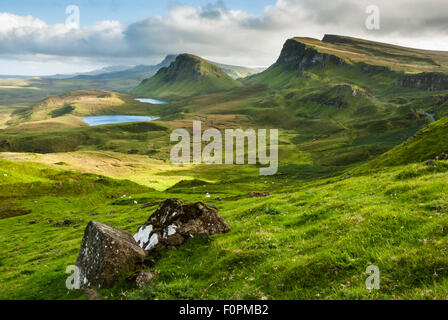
[64, 223]
[106, 252]
[189, 67]
[298, 56]
[440, 157]
[174, 222]
[259, 194]
[372, 69]
[427, 81]
[188, 75]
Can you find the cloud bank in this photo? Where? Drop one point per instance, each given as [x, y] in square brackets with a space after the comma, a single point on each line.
[217, 32]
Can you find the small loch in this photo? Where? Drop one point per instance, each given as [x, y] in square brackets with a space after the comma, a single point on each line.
[101, 120]
[151, 101]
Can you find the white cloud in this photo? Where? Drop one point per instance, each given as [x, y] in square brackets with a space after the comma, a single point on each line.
[231, 36]
[10, 22]
[32, 36]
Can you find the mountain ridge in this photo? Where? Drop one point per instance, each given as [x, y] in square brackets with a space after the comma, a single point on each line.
[188, 75]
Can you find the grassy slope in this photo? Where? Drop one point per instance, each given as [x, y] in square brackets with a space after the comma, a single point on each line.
[137, 168]
[321, 117]
[424, 145]
[313, 241]
[30, 91]
[68, 108]
[33, 261]
[187, 76]
[150, 138]
[316, 242]
[381, 54]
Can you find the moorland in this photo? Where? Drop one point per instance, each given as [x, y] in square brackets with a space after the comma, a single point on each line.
[362, 175]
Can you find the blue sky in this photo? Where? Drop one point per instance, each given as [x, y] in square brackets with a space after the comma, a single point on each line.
[34, 39]
[125, 11]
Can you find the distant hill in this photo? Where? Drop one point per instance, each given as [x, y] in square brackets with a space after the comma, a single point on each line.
[78, 103]
[189, 75]
[105, 70]
[10, 76]
[409, 67]
[142, 72]
[237, 72]
[397, 58]
[66, 110]
[138, 72]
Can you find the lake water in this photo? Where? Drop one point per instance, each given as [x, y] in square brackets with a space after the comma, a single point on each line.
[100, 120]
[151, 101]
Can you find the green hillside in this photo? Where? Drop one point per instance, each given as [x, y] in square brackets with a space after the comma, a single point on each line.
[142, 72]
[356, 60]
[352, 188]
[189, 75]
[396, 58]
[426, 144]
[310, 240]
[65, 110]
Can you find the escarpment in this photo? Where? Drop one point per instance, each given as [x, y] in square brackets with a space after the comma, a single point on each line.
[299, 56]
[427, 81]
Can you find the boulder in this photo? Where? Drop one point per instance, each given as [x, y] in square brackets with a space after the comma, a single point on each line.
[92, 294]
[430, 163]
[174, 222]
[106, 252]
[442, 156]
[258, 194]
[64, 223]
[143, 278]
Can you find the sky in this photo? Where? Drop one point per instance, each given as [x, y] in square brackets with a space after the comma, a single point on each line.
[37, 39]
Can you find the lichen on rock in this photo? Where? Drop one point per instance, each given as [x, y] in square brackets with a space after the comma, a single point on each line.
[174, 222]
[106, 252]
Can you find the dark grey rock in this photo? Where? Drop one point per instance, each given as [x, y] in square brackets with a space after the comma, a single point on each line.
[175, 221]
[106, 252]
[259, 194]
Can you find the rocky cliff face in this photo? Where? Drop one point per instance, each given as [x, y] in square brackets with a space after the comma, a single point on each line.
[298, 56]
[428, 81]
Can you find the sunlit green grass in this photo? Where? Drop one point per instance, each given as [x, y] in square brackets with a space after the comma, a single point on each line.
[310, 240]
